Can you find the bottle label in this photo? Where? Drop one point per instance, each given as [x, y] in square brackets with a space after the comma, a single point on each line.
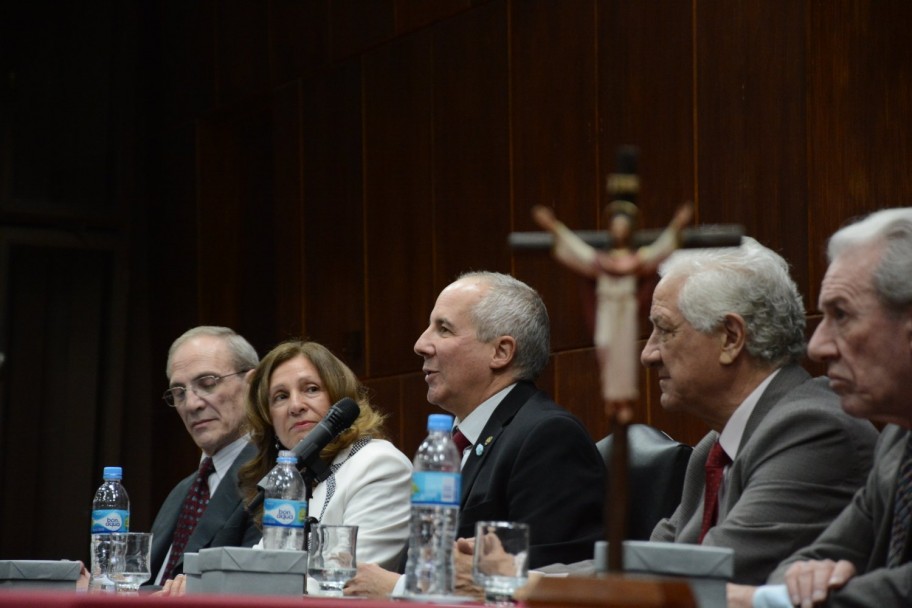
[110, 520]
[284, 513]
[435, 488]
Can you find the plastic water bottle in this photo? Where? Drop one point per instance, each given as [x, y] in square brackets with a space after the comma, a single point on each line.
[285, 507]
[110, 513]
[435, 511]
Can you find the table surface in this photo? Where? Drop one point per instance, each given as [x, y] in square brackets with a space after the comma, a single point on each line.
[71, 599]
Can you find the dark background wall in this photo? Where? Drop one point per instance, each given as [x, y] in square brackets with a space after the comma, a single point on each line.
[324, 168]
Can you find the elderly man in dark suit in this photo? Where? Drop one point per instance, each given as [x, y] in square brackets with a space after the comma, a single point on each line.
[863, 558]
[525, 458]
[782, 459]
[206, 370]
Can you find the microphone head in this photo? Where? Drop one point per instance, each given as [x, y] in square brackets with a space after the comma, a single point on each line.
[343, 414]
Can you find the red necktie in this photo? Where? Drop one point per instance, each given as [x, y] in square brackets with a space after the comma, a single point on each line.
[715, 466]
[193, 508]
[461, 441]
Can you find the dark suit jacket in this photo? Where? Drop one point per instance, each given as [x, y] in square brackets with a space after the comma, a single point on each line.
[224, 524]
[861, 534]
[537, 465]
[800, 461]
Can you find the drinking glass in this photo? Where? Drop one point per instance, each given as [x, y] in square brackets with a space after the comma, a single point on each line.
[500, 563]
[331, 558]
[129, 566]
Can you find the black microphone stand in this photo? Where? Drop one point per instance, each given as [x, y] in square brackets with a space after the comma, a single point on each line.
[313, 473]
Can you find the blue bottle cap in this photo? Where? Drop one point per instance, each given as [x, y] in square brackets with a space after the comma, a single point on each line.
[440, 422]
[112, 473]
[287, 456]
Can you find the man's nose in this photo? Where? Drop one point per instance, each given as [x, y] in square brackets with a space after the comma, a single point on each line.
[650, 355]
[422, 344]
[822, 347]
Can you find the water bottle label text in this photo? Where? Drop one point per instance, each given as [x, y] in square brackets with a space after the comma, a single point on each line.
[435, 488]
[284, 513]
[110, 520]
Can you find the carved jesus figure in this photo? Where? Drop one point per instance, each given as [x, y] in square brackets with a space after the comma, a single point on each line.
[616, 272]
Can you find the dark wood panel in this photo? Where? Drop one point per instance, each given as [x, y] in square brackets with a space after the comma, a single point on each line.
[399, 213]
[577, 388]
[298, 38]
[186, 66]
[287, 232]
[645, 99]
[860, 92]
[553, 121]
[471, 171]
[333, 229]
[358, 25]
[243, 52]
[751, 87]
[413, 14]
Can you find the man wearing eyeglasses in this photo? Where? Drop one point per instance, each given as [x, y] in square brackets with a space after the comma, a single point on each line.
[206, 371]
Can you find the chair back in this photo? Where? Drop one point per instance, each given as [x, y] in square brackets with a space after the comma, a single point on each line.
[657, 464]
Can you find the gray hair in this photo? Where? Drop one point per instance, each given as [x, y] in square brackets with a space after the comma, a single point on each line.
[893, 228]
[512, 308]
[751, 281]
[243, 355]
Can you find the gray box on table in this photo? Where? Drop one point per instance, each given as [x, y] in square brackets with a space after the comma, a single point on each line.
[239, 570]
[707, 569]
[43, 574]
[192, 572]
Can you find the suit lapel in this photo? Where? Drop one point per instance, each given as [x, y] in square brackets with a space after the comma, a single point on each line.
[221, 505]
[787, 379]
[498, 421]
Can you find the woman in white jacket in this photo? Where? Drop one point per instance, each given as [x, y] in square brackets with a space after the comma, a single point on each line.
[290, 392]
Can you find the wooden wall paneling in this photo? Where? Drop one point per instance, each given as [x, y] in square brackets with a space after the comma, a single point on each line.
[859, 95]
[298, 38]
[413, 14]
[577, 388]
[174, 308]
[645, 98]
[751, 165]
[401, 285]
[56, 107]
[333, 230]
[358, 25]
[414, 411]
[471, 171]
[59, 391]
[186, 76]
[553, 144]
[242, 50]
[286, 240]
[386, 397]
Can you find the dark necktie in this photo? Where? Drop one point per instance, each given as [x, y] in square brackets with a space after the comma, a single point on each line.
[902, 509]
[193, 508]
[461, 441]
[715, 466]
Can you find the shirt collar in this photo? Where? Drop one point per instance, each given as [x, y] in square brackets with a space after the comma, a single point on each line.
[475, 422]
[224, 458]
[731, 435]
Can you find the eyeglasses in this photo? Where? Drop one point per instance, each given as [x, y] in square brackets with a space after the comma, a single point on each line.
[201, 387]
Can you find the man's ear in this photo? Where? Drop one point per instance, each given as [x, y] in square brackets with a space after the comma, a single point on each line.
[249, 376]
[733, 337]
[504, 351]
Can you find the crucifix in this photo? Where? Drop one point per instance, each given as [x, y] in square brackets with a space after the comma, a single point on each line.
[624, 258]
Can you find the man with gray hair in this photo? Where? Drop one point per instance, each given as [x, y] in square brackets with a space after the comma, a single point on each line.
[864, 557]
[781, 460]
[206, 369]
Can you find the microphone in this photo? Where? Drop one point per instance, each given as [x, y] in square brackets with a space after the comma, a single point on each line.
[340, 416]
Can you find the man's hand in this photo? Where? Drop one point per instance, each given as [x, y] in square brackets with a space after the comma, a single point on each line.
[740, 596]
[465, 582]
[371, 581]
[810, 582]
[175, 587]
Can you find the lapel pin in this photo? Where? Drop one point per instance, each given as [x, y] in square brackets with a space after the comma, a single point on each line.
[489, 439]
[479, 450]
